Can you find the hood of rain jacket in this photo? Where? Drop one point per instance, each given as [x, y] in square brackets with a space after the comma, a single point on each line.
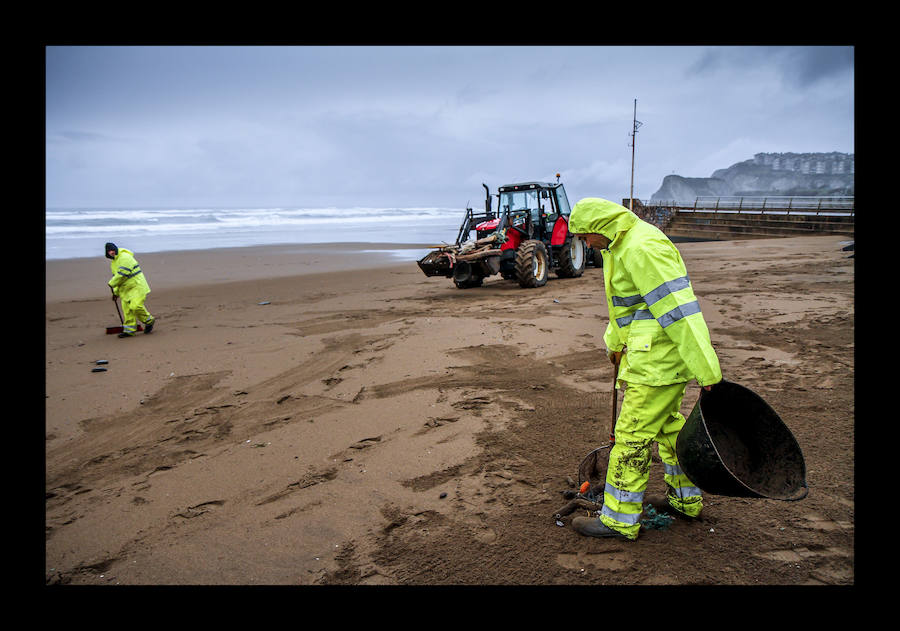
[653, 313]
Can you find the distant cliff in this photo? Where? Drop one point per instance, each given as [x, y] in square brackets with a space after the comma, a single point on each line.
[768, 174]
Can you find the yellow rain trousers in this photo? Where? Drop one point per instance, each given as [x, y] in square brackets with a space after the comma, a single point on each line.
[655, 319]
[129, 284]
[648, 414]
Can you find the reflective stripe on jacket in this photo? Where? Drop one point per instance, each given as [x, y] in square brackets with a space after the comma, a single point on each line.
[653, 312]
[128, 279]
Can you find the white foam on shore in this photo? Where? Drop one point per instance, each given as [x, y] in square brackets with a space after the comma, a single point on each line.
[81, 233]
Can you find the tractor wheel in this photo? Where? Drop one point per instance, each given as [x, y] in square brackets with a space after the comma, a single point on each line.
[468, 284]
[593, 257]
[572, 258]
[465, 276]
[532, 265]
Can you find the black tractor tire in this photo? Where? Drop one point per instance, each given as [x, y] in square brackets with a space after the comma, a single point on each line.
[468, 284]
[532, 264]
[572, 258]
[508, 265]
[593, 257]
[466, 276]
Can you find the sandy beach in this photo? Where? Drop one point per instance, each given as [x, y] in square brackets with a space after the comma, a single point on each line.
[322, 415]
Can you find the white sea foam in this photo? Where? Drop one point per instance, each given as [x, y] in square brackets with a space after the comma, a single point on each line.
[75, 233]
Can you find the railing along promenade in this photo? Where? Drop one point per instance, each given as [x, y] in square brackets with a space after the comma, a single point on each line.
[806, 213]
[776, 205]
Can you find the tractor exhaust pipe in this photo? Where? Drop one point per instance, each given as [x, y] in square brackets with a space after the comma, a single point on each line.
[487, 199]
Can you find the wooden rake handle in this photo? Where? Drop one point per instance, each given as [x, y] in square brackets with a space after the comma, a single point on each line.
[615, 402]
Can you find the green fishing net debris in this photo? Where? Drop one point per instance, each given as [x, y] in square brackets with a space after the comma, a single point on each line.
[655, 520]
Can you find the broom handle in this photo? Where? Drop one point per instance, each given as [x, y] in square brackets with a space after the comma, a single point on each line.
[121, 321]
[615, 401]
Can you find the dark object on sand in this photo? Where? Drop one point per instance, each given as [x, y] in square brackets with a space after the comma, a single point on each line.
[734, 444]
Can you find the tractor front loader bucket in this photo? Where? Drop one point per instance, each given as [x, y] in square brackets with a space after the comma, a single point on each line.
[436, 264]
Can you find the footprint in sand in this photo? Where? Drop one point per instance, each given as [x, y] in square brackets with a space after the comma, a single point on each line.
[312, 478]
[199, 509]
[365, 443]
[435, 422]
[817, 522]
[795, 555]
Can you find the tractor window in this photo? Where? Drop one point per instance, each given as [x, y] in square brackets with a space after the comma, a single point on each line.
[562, 201]
[521, 200]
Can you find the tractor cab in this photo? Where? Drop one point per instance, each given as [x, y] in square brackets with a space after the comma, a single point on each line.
[536, 203]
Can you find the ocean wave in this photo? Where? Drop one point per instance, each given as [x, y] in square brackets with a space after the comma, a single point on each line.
[95, 221]
[131, 214]
[72, 233]
[231, 223]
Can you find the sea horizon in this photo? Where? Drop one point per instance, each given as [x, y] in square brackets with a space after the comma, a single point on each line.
[81, 232]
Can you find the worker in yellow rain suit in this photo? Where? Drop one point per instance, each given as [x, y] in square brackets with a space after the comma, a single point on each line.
[658, 338]
[129, 284]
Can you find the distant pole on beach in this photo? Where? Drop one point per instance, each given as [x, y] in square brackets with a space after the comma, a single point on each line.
[634, 127]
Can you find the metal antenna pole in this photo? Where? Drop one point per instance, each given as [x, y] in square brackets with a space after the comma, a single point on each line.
[634, 127]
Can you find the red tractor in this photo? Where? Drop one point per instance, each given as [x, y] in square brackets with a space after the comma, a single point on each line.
[526, 238]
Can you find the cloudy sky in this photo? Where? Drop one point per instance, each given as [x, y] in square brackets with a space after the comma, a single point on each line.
[422, 126]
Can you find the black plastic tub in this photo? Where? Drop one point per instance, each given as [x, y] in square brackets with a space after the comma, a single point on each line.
[734, 444]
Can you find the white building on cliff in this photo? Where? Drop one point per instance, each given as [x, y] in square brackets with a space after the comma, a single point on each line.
[808, 163]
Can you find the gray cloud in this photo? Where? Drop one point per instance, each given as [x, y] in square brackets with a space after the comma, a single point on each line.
[421, 126]
[807, 66]
[800, 66]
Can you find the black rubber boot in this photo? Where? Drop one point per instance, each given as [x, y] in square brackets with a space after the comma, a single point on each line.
[593, 527]
[149, 327]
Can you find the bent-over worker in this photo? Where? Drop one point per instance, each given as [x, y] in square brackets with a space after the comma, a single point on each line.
[658, 338]
[129, 284]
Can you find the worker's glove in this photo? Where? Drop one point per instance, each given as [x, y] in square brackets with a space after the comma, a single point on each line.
[614, 356]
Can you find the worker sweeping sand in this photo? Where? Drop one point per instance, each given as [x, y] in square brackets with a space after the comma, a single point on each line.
[129, 284]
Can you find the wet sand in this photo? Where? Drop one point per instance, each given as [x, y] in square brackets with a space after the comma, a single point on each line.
[370, 425]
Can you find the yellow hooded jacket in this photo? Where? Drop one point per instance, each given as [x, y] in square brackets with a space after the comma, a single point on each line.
[653, 312]
[128, 280]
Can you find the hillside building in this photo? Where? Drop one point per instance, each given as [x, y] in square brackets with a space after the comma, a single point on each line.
[808, 163]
